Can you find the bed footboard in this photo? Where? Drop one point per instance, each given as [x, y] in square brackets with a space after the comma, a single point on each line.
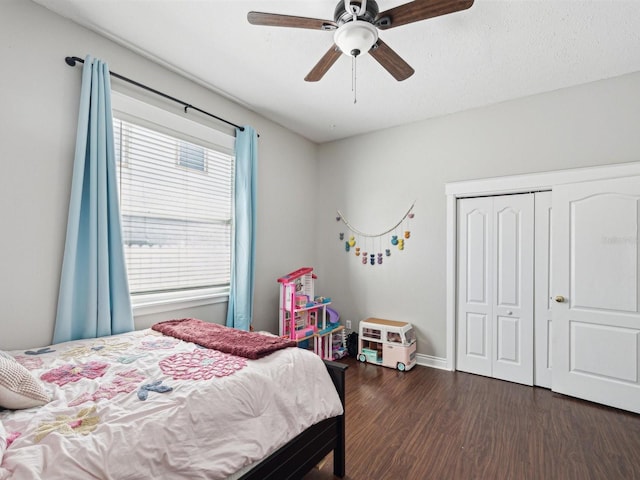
[300, 455]
[337, 374]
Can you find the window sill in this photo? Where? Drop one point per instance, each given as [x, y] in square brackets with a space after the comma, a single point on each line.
[169, 301]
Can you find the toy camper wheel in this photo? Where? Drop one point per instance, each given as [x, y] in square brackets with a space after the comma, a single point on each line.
[362, 357]
[401, 366]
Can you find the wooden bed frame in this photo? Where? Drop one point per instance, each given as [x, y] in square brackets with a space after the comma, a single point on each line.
[300, 455]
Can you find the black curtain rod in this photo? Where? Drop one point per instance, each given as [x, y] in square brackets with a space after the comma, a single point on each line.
[71, 61]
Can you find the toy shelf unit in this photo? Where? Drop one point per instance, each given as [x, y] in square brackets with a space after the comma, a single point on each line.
[388, 343]
[330, 342]
[306, 318]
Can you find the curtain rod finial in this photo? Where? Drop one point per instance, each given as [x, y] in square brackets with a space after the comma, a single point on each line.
[71, 61]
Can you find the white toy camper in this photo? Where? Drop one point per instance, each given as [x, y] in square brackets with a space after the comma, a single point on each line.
[388, 343]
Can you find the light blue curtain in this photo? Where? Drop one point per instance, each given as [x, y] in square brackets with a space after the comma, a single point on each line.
[240, 312]
[94, 293]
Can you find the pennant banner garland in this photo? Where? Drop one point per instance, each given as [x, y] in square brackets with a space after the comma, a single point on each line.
[373, 247]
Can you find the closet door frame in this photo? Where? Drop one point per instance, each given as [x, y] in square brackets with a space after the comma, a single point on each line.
[499, 186]
[543, 288]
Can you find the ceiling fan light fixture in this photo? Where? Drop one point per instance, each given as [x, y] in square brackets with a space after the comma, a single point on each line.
[355, 37]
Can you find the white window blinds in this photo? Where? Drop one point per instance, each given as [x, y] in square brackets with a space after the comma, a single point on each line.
[176, 208]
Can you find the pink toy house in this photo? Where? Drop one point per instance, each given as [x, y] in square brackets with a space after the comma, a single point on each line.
[303, 316]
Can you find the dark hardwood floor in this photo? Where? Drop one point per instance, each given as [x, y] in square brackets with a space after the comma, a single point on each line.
[434, 424]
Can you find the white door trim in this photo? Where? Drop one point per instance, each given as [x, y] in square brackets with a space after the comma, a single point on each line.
[505, 185]
[543, 256]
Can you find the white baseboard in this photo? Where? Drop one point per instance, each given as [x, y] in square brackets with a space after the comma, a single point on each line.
[433, 362]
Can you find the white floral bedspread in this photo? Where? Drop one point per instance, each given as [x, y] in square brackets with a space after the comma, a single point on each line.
[142, 406]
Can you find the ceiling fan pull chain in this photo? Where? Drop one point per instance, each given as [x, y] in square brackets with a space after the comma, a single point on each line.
[354, 79]
[353, 76]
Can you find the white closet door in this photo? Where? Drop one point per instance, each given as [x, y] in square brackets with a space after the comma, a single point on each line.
[475, 285]
[495, 287]
[543, 288]
[596, 318]
[513, 280]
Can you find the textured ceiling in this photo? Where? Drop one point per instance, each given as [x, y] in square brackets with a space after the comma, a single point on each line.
[492, 52]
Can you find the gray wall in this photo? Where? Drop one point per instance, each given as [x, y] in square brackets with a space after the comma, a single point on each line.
[374, 178]
[38, 117]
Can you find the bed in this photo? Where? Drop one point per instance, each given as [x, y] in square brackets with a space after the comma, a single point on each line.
[147, 405]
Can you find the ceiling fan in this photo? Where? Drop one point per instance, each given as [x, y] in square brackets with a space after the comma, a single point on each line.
[355, 26]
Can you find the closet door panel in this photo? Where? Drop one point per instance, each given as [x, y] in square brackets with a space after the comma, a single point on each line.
[513, 279]
[477, 249]
[474, 329]
[507, 257]
[508, 344]
[495, 287]
[477, 336]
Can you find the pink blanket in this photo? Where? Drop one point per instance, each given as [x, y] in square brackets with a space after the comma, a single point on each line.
[224, 339]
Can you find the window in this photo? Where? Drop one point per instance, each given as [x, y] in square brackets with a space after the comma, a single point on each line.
[176, 192]
[191, 156]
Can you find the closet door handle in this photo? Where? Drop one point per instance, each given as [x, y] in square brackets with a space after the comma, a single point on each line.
[559, 299]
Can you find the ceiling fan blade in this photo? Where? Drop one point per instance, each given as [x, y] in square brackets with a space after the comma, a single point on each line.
[391, 61]
[419, 10]
[277, 20]
[325, 63]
